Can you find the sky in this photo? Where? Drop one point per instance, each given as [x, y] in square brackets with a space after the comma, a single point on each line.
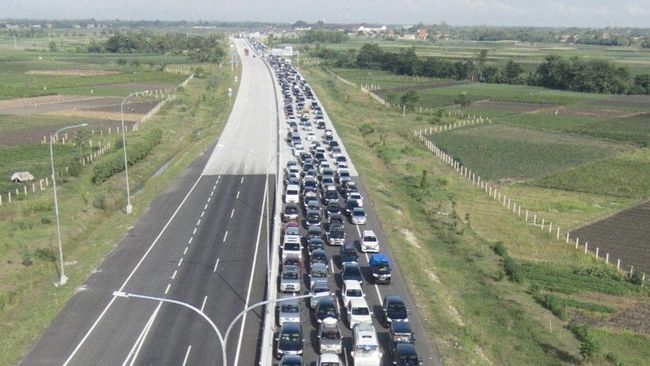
[555, 13]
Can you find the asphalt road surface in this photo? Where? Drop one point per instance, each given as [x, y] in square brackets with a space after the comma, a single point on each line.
[203, 242]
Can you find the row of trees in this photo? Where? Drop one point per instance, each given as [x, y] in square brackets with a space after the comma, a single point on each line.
[202, 49]
[575, 74]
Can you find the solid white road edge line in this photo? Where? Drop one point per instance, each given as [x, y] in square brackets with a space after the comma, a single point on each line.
[250, 282]
[110, 303]
[138, 341]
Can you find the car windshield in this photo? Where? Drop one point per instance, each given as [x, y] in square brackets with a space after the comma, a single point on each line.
[398, 310]
[290, 308]
[319, 274]
[290, 338]
[327, 311]
[409, 357]
[337, 234]
[331, 334]
[369, 239]
[292, 246]
[360, 311]
[291, 275]
[354, 293]
[358, 213]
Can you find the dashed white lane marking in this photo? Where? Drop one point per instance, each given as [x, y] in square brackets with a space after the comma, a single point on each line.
[225, 236]
[232, 213]
[174, 275]
[169, 285]
[194, 232]
[187, 354]
[185, 251]
[211, 193]
[203, 304]
[198, 222]
[205, 207]
[242, 180]
[202, 213]
[216, 264]
[332, 265]
[190, 241]
[237, 194]
[209, 198]
[179, 262]
[381, 301]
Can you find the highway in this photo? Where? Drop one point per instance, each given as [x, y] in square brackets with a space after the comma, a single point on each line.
[202, 241]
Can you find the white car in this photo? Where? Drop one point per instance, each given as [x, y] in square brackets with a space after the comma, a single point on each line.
[292, 194]
[298, 149]
[329, 359]
[357, 197]
[311, 136]
[357, 312]
[369, 242]
[351, 290]
[365, 347]
[291, 248]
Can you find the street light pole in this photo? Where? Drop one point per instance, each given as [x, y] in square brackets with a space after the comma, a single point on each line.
[62, 278]
[129, 207]
[223, 340]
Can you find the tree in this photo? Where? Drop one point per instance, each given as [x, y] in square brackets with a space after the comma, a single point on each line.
[52, 46]
[512, 71]
[642, 82]
[370, 56]
[482, 57]
[409, 99]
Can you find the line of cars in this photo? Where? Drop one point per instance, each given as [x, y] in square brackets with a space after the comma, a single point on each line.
[319, 197]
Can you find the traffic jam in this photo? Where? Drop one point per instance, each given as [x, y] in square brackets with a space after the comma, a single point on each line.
[328, 247]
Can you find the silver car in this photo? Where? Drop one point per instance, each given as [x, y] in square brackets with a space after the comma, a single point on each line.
[290, 279]
[317, 272]
[329, 336]
[316, 288]
[289, 311]
[358, 216]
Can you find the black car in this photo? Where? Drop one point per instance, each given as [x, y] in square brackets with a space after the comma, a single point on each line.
[318, 256]
[326, 308]
[335, 219]
[330, 195]
[336, 235]
[400, 332]
[315, 244]
[350, 205]
[348, 253]
[289, 339]
[351, 271]
[404, 354]
[394, 309]
[334, 207]
[291, 360]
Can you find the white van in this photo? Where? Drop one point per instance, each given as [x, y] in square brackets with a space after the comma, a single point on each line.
[292, 194]
[365, 347]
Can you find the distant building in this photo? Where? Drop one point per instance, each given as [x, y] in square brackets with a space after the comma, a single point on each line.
[422, 34]
[21, 177]
[287, 51]
[408, 37]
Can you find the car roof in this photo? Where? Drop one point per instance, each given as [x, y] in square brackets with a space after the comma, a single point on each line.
[330, 357]
[352, 284]
[293, 186]
[401, 327]
[358, 302]
[321, 284]
[393, 298]
[319, 266]
[318, 251]
[406, 348]
[368, 233]
[290, 268]
[290, 327]
[291, 301]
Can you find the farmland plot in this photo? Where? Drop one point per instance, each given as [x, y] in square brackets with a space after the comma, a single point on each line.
[625, 235]
[499, 152]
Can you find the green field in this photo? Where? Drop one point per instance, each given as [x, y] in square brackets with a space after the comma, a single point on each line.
[498, 152]
[441, 228]
[383, 79]
[626, 175]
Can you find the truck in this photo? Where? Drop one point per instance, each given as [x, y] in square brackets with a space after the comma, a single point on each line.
[246, 51]
[380, 268]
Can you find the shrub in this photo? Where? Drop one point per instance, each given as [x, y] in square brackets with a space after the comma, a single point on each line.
[45, 254]
[100, 201]
[45, 219]
[499, 249]
[556, 306]
[512, 270]
[121, 61]
[26, 257]
[589, 348]
[137, 149]
[636, 278]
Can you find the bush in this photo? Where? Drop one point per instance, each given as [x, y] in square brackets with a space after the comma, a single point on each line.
[589, 348]
[121, 61]
[45, 254]
[512, 270]
[45, 219]
[499, 249]
[26, 257]
[636, 278]
[100, 201]
[137, 149]
[556, 306]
